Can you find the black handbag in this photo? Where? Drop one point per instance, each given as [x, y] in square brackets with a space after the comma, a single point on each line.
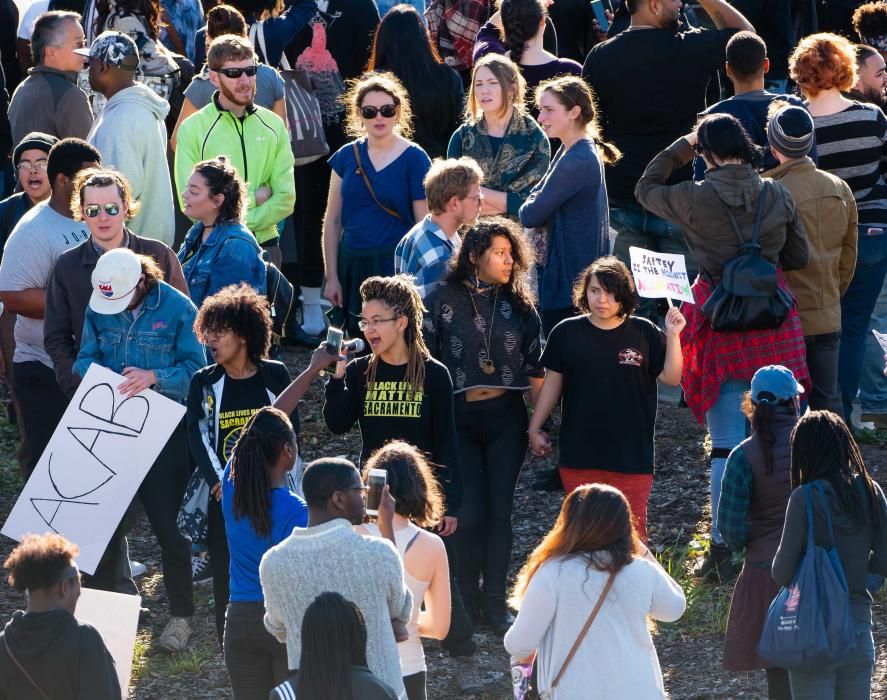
[748, 296]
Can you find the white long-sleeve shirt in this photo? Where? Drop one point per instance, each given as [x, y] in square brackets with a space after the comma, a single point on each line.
[617, 658]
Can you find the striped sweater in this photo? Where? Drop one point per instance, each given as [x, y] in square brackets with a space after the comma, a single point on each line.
[852, 144]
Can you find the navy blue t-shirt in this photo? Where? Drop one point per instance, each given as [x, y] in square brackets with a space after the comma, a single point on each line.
[397, 186]
[288, 511]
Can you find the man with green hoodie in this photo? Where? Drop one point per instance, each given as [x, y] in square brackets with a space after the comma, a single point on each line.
[252, 138]
[130, 132]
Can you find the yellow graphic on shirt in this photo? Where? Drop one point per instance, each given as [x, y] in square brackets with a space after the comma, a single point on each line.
[230, 425]
[394, 399]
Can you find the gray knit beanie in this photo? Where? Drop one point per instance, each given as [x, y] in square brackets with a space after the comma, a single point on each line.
[790, 131]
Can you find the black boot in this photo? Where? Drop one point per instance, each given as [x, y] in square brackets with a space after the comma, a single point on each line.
[496, 615]
[718, 566]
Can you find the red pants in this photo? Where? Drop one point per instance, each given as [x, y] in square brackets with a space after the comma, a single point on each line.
[635, 487]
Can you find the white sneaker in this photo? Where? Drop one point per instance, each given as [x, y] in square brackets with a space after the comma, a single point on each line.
[175, 635]
[137, 568]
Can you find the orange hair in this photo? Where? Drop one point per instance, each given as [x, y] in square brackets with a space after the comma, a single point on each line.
[822, 62]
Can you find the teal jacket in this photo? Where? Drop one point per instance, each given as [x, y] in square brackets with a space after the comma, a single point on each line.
[516, 167]
[258, 147]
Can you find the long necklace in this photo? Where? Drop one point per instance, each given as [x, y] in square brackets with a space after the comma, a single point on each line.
[486, 363]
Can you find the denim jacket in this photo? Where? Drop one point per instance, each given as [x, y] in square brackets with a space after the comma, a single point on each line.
[230, 255]
[161, 339]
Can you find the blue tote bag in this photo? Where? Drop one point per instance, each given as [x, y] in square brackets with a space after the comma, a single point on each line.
[809, 624]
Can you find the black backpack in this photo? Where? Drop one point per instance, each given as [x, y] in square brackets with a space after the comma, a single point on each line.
[748, 296]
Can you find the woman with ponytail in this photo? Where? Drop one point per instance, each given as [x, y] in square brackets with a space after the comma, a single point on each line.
[520, 30]
[824, 452]
[754, 493]
[260, 511]
[570, 201]
[219, 250]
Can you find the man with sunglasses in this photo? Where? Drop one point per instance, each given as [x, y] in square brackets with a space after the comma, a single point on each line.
[34, 245]
[49, 100]
[130, 132]
[253, 138]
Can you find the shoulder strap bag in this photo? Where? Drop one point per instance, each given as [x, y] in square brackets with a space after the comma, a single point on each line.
[22, 669]
[366, 180]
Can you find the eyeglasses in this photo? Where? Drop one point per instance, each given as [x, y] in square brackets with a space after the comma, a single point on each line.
[386, 111]
[364, 325]
[93, 210]
[38, 165]
[235, 73]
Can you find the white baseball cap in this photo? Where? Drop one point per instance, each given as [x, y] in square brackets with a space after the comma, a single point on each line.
[114, 281]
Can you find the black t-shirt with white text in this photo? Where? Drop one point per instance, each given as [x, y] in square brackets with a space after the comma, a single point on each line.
[609, 392]
[241, 398]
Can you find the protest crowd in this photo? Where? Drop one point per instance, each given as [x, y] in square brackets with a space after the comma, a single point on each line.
[501, 228]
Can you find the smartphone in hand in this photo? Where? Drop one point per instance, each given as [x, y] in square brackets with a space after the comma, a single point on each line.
[376, 480]
[597, 6]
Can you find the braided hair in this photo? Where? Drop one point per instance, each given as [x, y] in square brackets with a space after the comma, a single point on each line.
[258, 447]
[520, 20]
[222, 178]
[824, 448]
[400, 294]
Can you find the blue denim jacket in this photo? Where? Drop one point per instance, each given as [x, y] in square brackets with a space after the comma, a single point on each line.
[161, 339]
[230, 255]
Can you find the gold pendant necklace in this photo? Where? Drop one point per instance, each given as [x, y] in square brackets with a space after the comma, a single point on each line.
[486, 363]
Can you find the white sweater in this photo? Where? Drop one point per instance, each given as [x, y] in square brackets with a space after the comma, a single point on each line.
[617, 659]
[333, 557]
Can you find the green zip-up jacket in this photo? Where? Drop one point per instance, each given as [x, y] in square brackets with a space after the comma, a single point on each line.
[256, 144]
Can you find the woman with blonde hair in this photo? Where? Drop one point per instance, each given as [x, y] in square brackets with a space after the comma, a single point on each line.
[418, 504]
[501, 136]
[376, 193]
[593, 560]
[570, 201]
[851, 138]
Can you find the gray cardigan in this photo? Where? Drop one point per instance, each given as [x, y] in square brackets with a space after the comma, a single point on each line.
[570, 201]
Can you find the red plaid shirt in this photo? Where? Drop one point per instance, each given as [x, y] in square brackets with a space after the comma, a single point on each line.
[711, 358]
[453, 25]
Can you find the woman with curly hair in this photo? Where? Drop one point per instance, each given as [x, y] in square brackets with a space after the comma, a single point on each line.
[376, 193]
[483, 326]
[218, 250]
[617, 358]
[851, 138]
[592, 556]
[501, 136]
[45, 649]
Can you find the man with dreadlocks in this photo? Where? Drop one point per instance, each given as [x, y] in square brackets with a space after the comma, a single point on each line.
[398, 391]
[824, 453]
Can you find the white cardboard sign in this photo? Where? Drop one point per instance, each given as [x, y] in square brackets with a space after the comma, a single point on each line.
[882, 340]
[116, 617]
[660, 275]
[97, 458]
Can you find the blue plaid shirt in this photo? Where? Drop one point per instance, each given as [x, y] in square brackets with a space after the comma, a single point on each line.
[425, 253]
[733, 505]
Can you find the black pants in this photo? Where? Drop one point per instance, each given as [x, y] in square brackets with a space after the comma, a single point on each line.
[41, 404]
[822, 363]
[493, 443]
[460, 638]
[778, 687]
[161, 494]
[220, 560]
[255, 660]
[415, 686]
[113, 572]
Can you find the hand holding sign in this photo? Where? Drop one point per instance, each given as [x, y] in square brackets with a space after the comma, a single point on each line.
[660, 275]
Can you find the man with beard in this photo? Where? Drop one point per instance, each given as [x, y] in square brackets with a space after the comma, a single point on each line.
[872, 80]
[673, 69]
[253, 139]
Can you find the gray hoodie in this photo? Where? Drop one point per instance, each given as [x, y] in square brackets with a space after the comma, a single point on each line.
[131, 135]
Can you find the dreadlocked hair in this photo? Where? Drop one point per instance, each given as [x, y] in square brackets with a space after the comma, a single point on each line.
[258, 447]
[400, 294]
[824, 448]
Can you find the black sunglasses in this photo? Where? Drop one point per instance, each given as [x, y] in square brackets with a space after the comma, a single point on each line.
[386, 111]
[235, 73]
[93, 210]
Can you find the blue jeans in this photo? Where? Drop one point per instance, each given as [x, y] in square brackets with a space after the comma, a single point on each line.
[873, 384]
[638, 227]
[728, 427]
[852, 680]
[856, 310]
